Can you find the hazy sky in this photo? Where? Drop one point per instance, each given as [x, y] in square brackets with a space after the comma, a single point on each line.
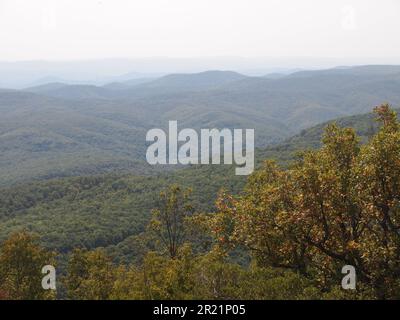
[86, 29]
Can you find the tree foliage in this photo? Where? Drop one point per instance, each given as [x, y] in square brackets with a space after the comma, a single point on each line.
[335, 206]
[169, 218]
[21, 263]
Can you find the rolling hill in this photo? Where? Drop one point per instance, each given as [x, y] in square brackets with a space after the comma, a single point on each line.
[72, 91]
[197, 81]
[58, 130]
[110, 210]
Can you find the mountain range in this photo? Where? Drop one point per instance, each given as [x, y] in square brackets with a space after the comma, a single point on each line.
[59, 130]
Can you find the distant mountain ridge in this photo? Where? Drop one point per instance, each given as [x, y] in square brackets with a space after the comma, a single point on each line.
[202, 80]
[167, 84]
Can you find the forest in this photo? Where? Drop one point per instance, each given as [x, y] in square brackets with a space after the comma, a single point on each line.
[285, 233]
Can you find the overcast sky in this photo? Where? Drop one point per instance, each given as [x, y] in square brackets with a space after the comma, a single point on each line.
[87, 29]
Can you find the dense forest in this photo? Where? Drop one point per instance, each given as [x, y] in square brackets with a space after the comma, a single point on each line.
[59, 130]
[285, 233]
[109, 210]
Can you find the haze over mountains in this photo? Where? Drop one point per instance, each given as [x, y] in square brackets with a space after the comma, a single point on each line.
[60, 129]
[22, 74]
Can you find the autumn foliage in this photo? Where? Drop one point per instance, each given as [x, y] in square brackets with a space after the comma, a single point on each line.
[336, 206]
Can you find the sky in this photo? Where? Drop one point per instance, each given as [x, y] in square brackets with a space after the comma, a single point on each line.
[96, 29]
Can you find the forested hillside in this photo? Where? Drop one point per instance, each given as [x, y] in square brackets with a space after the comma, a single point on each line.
[298, 222]
[108, 210]
[60, 130]
[103, 210]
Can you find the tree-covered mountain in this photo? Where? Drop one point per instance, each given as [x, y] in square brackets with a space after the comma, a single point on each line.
[43, 137]
[110, 210]
[68, 130]
[281, 221]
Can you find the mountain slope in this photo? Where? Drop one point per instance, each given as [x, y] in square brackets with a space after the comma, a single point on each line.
[43, 137]
[109, 210]
[94, 130]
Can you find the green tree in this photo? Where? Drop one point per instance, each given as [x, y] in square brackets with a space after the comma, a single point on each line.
[378, 186]
[90, 275]
[169, 218]
[335, 206]
[21, 263]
